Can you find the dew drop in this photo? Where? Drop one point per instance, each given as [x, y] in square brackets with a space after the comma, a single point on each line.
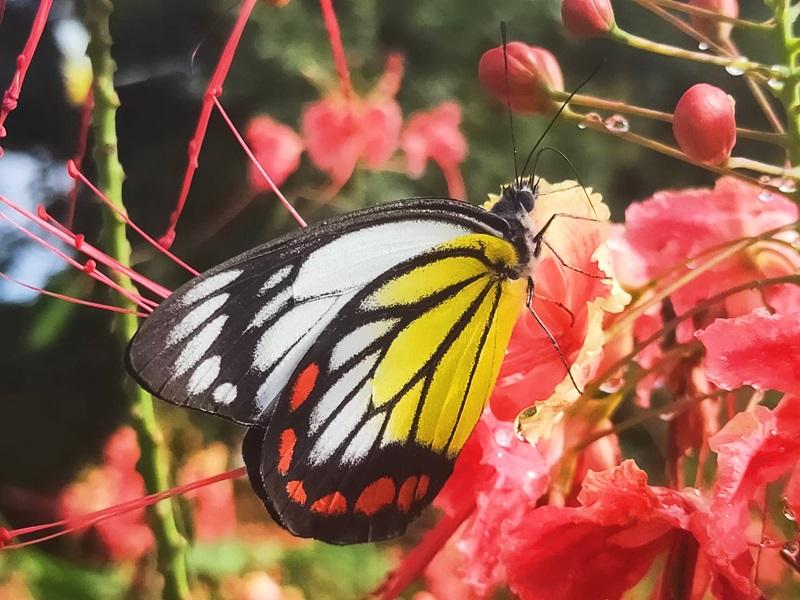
[776, 84]
[617, 123]
[702, 46]
[504, 437]
[737, 67]
[589, 118]
[765, 180]
[788, 186]
[765, 197]
[788, 513]
[766, 542]
[789, 553]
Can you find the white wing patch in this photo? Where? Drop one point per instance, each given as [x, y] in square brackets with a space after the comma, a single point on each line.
[353, 260]
[209, 286]
[204, 375]
[275, 279]
[198, 345]
[330, 401]
[363, 441]
[225, 393]
[358, 340]
[271, 308]
[342, 425]
[196, 317]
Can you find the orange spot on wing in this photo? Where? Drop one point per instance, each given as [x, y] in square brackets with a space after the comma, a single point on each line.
[296, 492]
[332, 504]
[303, 385]
[286, 450]
[406, 494]
[422, 487]
[375, 496]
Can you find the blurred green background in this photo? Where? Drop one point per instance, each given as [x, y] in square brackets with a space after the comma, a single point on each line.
[60, 373]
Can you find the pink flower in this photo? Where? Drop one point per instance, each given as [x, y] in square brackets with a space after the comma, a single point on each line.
[214, 506]
[606, 545]
[704, 124]
[758, 349]
[276, 146]
[126, 536]
[533, 74]
[341, 130]
[587, 18]
[672, 227]
[435, 135]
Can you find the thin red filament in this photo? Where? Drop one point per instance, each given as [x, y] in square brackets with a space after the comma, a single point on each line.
[65, 526]
[80, 152]
[213, 90]
[72, 299]
[339, 57]
[295, 215]
[75, 173]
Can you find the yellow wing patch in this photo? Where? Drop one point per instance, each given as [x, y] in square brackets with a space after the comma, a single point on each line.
[465, 335]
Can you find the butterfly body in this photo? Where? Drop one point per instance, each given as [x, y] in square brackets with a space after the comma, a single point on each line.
[360, 353]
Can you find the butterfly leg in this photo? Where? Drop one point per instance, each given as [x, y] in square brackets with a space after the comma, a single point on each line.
[539, 240]
[529, 305]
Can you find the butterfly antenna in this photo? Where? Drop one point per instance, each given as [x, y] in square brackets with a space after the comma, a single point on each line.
[558, 113]
[504, 37]
[572, 168]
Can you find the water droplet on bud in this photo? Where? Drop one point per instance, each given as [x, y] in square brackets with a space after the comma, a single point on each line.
[702, 46]
[765, 180]
[737, 67]
[776, 84]
[765, 197]
[790, 553]
[617, 123]
[788, 513]
[787, 186]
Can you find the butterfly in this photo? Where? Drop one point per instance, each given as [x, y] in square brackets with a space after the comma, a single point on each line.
[359, 352]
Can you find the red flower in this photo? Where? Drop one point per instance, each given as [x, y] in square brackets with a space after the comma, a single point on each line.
[754, 448]
[605, 546]
[435, 134]
[341, 130]
[587, 18]
[758, 349]
[126, 536]
[276, 146]
[533, 75]
[704, 124]
[676, 225]
[718, 31]
[215, 510]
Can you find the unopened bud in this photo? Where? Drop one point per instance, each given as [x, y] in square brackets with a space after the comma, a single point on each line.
[533, 75]
[704, 124]
[587, 18]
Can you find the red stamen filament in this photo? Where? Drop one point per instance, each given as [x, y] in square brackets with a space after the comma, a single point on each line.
[80, 152]
[52, 226]
[213, 90]
[11, 96]
[72, 299]
[75, 173]
[339, 57]
[90, 268]
[89, 519]
[295, 215]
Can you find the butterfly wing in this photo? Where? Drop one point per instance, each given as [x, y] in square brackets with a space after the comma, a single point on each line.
[228, 341]
[376, 411]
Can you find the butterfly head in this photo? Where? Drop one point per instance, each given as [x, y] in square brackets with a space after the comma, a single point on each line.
[516, 201]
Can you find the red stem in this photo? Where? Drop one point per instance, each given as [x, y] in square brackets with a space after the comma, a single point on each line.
[339, 57]
[213, 91]
[455, 182]
[11, 96]
[80, 152]
[415, 562]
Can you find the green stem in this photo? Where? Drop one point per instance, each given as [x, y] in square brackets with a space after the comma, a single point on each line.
[740, 63]
[154, 460]
[710, 14]
[786, 16]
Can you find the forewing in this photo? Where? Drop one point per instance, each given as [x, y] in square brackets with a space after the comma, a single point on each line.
[228, 341]
[366, 433]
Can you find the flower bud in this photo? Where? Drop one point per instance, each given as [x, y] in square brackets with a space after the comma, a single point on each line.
[704, 124]
[718, 31]
[533, 74]
[587, 18]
